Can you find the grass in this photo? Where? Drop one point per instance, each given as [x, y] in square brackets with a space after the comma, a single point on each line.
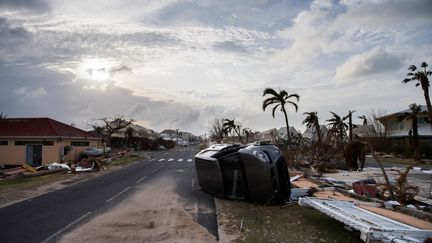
[9, 185]
[282, 224]
[125, 160]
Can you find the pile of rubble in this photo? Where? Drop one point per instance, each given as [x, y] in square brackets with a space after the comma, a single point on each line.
[88, 164]
[358, 200]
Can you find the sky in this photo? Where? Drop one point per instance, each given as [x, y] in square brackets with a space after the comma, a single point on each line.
[182, 63]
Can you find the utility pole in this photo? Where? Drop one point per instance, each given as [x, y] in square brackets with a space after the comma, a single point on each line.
[177, 132]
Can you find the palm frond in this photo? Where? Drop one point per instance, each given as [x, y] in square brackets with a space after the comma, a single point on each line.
[412, 68]
[274, 110]
[295, 96]
[270, 91]
[294, 104]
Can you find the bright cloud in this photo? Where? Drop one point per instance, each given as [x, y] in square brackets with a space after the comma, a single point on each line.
[377, 60]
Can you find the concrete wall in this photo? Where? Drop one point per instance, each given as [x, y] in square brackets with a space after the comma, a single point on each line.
[12, 154]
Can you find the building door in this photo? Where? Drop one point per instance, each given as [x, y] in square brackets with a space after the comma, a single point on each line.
[34, 154]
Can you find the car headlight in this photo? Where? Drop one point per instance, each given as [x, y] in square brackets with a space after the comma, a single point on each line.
[262, 156]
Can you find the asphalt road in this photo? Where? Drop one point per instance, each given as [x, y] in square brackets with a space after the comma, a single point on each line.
[45, 218]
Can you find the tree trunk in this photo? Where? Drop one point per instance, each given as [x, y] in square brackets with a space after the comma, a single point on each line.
[350, 126]
[318, 130]
[428, 104]
[288, 132]
[415, 138]
[239, 135]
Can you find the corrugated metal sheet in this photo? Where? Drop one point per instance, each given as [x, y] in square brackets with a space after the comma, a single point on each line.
[373, 227]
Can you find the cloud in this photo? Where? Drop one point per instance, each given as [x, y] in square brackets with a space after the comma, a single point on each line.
[230, 47]
[375, 61]
[32, 5]
[13, 40]
[28, 92]
[328, 29]
[138, 109]
[122, 68]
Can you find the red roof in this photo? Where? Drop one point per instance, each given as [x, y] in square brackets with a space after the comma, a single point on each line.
[39, 127]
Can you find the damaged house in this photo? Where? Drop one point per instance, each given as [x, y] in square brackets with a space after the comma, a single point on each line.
[38, 141]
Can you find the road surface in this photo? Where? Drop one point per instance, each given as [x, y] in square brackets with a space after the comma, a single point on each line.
[47, 217]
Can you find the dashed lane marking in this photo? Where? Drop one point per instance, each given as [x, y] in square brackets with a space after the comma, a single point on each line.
[118, 194]
[180, 160]
[171, 159]
[138, 181]
[161, 160]
[189, 160]
[66, 228]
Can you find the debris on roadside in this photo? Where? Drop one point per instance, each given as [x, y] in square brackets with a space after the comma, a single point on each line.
[85, 164]
[358, 200]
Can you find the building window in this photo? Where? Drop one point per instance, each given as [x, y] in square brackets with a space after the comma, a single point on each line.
[3, 143]
[401, 125]
[423, 120]
[394, 125]
[45, 143]
[80, 143]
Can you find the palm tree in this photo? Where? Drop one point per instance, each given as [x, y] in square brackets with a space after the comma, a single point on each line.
[420, 76]
[279, 100]
[338, 125]
[247, 132]
[363, 117]
[415, 109]
[311, 120]
[230, 125]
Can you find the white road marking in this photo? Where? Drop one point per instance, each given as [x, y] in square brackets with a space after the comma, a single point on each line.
[189, 160]
[152, 160]
[161, 160]
[154, 171]
[180, 160]
[193, 182]
[138, 181]
[118, 194]
[166, 153]
[64, 229]
[171, 159]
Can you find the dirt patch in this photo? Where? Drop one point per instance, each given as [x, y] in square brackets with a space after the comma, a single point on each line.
[153, 214]
[278, 224]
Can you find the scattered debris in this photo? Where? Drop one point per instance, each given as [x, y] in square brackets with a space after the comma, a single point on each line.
[373, 227]
[365, 187]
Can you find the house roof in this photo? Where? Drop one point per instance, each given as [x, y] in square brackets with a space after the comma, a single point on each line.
[423, 110]
[40, 127]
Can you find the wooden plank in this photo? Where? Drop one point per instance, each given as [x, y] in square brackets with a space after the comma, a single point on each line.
[304, 183]
[403, 218]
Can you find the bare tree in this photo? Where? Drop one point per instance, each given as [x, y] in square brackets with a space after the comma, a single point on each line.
[379, 130]
[217, 131]
[111, 125]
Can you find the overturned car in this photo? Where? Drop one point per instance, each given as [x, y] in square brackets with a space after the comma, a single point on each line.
[254, 173]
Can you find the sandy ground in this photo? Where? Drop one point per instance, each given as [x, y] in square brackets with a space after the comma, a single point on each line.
[153, 214]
